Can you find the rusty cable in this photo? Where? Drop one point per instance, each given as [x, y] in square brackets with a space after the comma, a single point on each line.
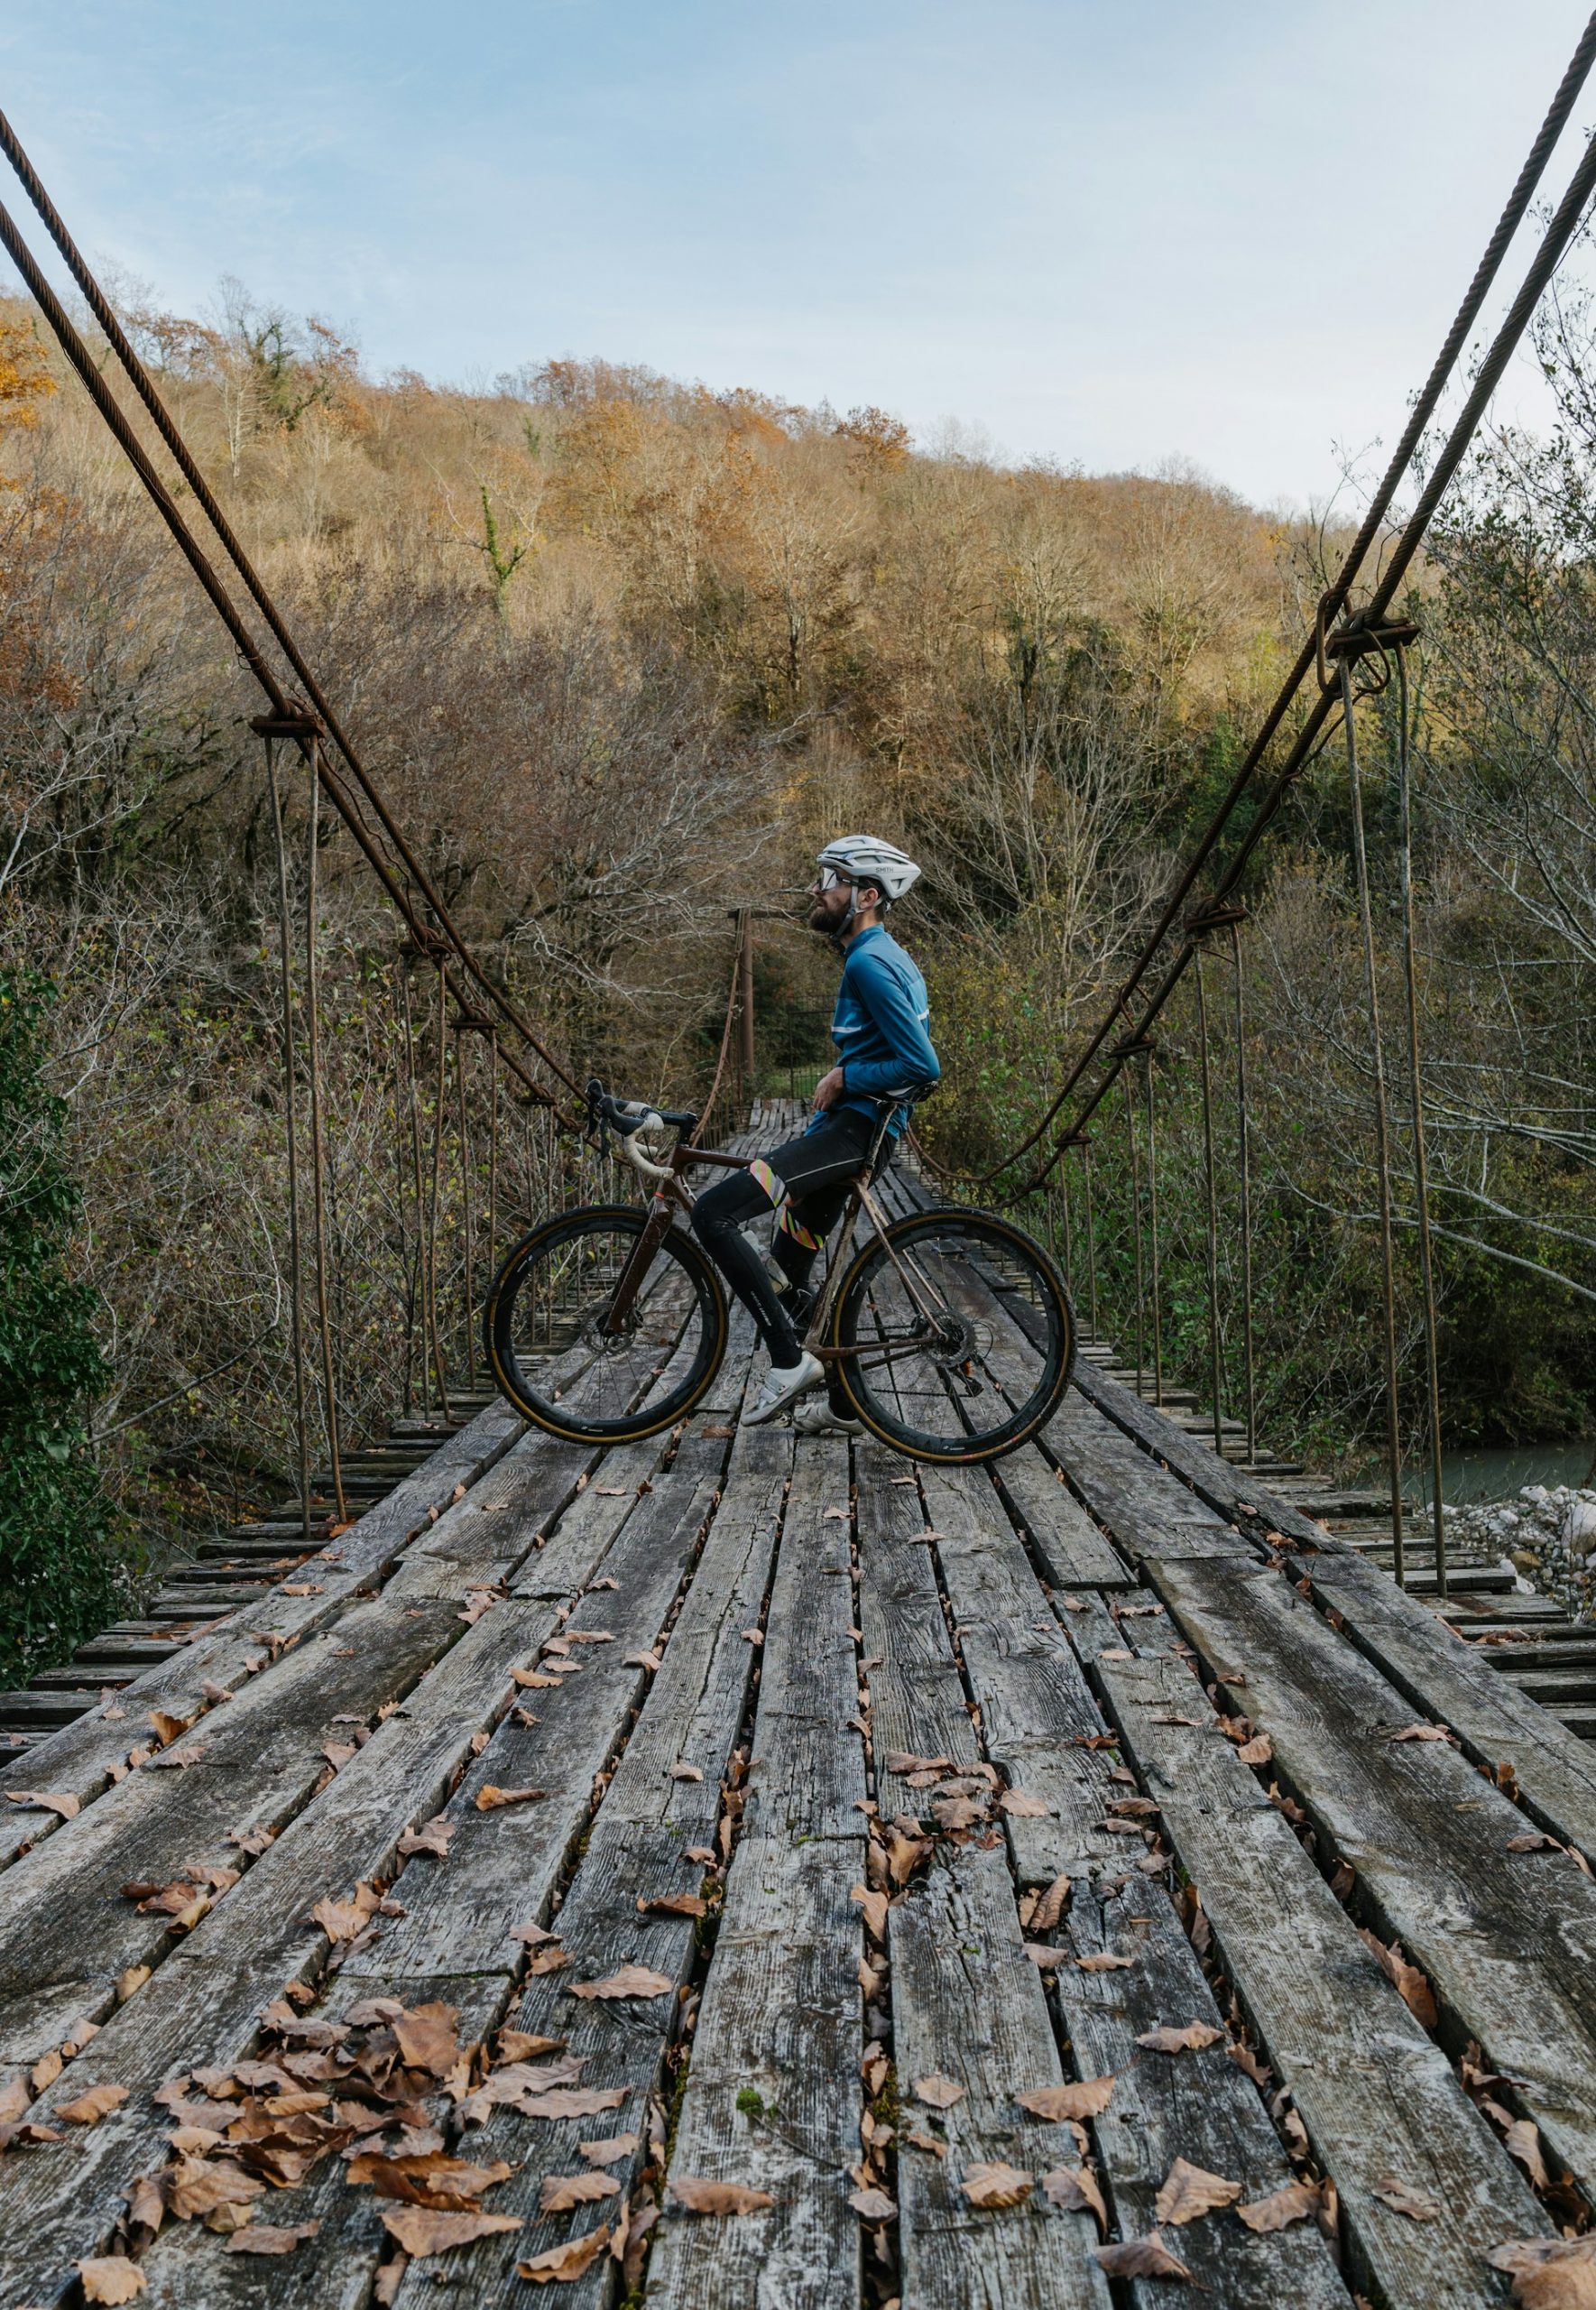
[1244, 1166]
[1421, 1173]
[144, 385]
[437, 1197]
[318, 1140]
[1212, 1196]
[1559, 232]
[290, 1108]
[1382, 1140]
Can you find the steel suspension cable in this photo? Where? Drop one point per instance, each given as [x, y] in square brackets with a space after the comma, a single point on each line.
[89, 372]
[1559, 232]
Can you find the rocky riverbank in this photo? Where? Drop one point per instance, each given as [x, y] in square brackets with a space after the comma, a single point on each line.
[1548, 1534]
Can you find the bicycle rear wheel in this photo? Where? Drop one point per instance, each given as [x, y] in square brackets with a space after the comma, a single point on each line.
[957, 1333]
[546, 1341]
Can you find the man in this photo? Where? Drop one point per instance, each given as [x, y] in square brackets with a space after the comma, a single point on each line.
[879, 1028]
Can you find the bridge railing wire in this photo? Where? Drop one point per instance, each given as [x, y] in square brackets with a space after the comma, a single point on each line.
[1111, 1230]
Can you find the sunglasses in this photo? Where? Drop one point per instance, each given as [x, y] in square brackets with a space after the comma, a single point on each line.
[830, 879]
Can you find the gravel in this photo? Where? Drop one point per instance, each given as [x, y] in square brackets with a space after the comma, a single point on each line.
[1547, 1534]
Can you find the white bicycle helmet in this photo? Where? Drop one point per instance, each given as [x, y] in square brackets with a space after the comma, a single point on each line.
[866, 858]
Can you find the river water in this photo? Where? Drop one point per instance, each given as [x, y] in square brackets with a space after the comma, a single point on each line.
[1498, 1473]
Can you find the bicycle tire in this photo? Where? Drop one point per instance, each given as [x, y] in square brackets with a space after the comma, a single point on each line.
[540, 1327]
[982, 1379]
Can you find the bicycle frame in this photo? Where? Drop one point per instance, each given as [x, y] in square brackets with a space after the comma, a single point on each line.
[671, 1194]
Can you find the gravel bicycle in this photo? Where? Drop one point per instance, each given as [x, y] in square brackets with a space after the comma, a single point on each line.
[950, 1330]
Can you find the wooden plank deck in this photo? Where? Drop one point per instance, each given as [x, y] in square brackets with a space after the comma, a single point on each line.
[854, 1882]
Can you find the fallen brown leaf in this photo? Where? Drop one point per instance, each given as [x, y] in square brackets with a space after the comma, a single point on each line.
[684, 1772]
[628, 1981]
[1104, 1961]
[1074, 2189]
[194, 2188]
[574, 2102]
[1042, 1953]
[1167, 2039]
[1256, 1751]
[1409, 1981]
[268, 2238]
[1025, 1807]
[65, 1804]
[110, 2279]
[425, 2036]
[91, 2106]
[344, 1920]
[1521, 2142]
[641, 1660]
[1420, 1732]
[1146, 2257]
[1189, 2191]
[1086, 2097]
[561, 2191]
[13, 2100]
[992, 2185]
[874, 1906]
[904, 1762]
[526, 2045]
[1550, 2273]
[671, 1905]
[420, 2230]
[873, 2205]
[717, 2197]
[1049, 1906]
[567, 2261]
[432, 1836]
[938, 2093]
[610, 2152]
[1418, 2204]
[1293, 2201]
[489, 1799]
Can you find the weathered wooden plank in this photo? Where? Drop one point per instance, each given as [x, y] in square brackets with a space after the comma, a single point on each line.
[79, 1759]
[636, 1849]
[1197, 2105]
[780, 2016]
[1072, 1551]
[200, 2005]
[67, 1930]
[1036, 1710]
[1556, 1769]
[1508, 1939]
[967, 2003]
[1377, 2098]
[501, 1871]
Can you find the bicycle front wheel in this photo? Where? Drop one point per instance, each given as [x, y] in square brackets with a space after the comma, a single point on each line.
[547, 1324]
[956, 1335]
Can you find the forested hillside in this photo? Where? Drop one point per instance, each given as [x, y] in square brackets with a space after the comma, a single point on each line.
[622, 652]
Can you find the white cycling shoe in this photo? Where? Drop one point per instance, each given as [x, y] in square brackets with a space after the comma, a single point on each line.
[814, 1417]
[783, 1388]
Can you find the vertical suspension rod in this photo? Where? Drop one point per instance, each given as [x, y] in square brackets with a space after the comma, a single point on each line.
[290, 1108]
[1213, 1203]
[1382, 1141]
[1421, 1174]
[1244, 1163]
[318, 1140]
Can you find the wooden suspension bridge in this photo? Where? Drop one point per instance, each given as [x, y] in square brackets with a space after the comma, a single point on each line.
[738, 1868]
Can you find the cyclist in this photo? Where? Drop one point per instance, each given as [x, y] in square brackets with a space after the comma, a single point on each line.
[879, 1030]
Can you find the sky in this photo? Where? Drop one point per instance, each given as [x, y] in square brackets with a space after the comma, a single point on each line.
[1116, 234]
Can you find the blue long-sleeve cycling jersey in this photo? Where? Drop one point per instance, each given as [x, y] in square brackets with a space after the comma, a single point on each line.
[880, 1025]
